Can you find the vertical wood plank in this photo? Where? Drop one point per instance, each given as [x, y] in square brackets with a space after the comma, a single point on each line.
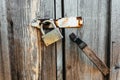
[1, 70]
[5, 70]
[59, 45]
[94, 33]
[47, 10]
[115, 41]
[30, 59]
[24, 44]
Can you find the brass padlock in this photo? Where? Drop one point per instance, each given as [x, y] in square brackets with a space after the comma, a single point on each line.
[52, 36]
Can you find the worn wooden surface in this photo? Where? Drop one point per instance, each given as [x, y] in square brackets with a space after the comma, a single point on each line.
[96, 60]
[23, 55]
[115, 40]
[94, 33]
[24, 43]
[46, 10]
[30, 59]
[59, 49]
[5, 69]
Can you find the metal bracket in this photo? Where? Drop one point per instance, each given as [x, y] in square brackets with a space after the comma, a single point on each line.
[90, 54]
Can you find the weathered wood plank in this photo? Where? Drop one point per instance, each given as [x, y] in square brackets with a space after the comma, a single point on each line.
[5, 70]
[1, 70]
[23, 42]
[46, 10]
[1, 67]
[94, 13]
[115, 40]
[58, 9]
[30, 59]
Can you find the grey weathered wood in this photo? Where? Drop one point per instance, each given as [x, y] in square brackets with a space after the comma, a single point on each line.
[94, 13]
[46, 10]
[1, 70]
[23, 42]
[59, 45]
[5, 70]
[1, 67]
[115, 40]
[30, 59]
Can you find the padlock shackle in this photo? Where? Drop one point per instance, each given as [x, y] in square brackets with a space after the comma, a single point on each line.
[50, 21]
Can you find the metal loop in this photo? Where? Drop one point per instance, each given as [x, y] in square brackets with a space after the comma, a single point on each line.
[50, 21]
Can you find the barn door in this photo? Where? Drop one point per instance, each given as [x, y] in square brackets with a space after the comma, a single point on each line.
[23, 55]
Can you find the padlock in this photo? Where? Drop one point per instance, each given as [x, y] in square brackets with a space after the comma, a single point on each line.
[52, 36]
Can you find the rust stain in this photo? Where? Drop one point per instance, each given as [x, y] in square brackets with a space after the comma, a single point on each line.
[56, 23]
[80, 21]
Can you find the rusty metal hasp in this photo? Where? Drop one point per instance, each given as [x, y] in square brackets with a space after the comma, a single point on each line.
[68, 22]
[90, 54]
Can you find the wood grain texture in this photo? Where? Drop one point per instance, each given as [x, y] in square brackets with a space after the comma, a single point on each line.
[59, 49]
[47, 10]
[30, 59]
[115, 41]
[24, 44]
[94, 33]
[5, 69]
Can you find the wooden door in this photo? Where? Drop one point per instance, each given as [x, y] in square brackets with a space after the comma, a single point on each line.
[23, 55]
